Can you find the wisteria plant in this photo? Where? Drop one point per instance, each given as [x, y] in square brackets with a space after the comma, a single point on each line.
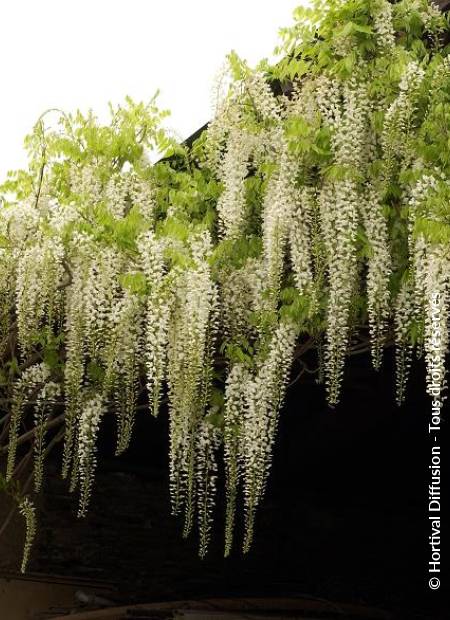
[311, 217]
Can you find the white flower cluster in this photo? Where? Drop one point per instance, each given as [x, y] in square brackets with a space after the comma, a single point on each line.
[19, 222]
[264, 394]
[125, 191]
[425, 187]
[379, 271]
[31, 382]
[45, 400]
[278, 209]
[262, 97]
[404, 316]
[39, 275]
[207, 444]
[86, 185]
[235, 401]
[241, 295]
[227, 137]
[142, 196]
[100, 291]
[345, 109]
[75, 280]
[382, 24]
[122, 362]
[430, 13]
[189, 349]
[28, 511]
[399, 116]
[300, 240]
[75, 351]
[91, 414]
[231, 207]
[156, 318]
[430, 269]
[116, 194]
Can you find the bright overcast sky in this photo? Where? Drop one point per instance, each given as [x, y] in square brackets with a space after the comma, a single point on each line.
[83, 53]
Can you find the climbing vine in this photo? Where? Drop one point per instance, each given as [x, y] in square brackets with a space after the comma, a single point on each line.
[312, 215]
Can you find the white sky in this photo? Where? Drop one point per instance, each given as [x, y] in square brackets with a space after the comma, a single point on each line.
[81, 54]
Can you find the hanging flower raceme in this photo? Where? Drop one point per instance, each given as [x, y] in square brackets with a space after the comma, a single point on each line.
[235, 402]
[264, 394]
[100, 291]
[399, 118]
[40, 273]
[45, 402]
[75, 346]
[30, 384]
[241, 297]
[188, 355]
[262, 98]
[378, 272]
[383, 26]
[156, 321]
[28, 511]
[404, 319]
[426, 187]
[123, 363]
[92, 411]
[231, 207]
[300, 241]
[344, 108]
[430, 266]
[278, 210]
[207, 443]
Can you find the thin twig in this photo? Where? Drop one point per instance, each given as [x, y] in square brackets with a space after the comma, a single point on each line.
[30, 434]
